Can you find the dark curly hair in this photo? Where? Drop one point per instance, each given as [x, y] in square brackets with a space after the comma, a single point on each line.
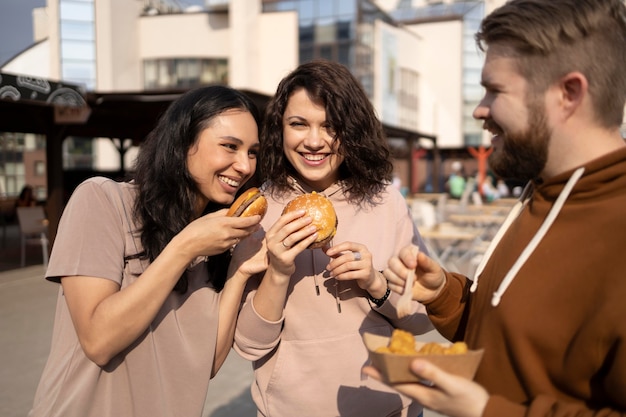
[166, 191]
[367, 166]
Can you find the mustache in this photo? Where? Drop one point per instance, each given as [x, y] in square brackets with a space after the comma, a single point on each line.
[491, 126]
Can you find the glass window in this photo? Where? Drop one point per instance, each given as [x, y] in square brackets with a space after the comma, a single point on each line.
[325, 8]
[306, 53]
[305, 10]
[167, 73]
[193, 69]
[325, 32]
[80, 11]
[208, 73]
[78, 70]
[221, 69]
[20, 141]
[10, 168]
[345, 54]
[77, 30]
[12, 187]
[326, 52]
[166, 76]
[40, 168]
[347, 7]
[306, 33]
[269, 7]
[77, 50]
[180, 66]
[40, 193]
[368, 85]
[283, 6]
[344, 30]
[150, 74]
[77, 152]
[366, 35]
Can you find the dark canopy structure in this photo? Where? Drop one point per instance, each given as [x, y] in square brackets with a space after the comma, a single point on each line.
[60, 110]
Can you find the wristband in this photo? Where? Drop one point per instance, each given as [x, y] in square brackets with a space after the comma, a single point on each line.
[380, 301]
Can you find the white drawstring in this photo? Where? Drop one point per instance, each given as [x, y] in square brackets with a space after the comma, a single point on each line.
[515, 211]
[534, 242]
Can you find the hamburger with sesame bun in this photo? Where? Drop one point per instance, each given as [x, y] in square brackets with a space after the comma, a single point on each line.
[322, 213]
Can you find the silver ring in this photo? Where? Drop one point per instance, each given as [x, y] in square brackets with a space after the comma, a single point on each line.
[283, 242]
[357, 256]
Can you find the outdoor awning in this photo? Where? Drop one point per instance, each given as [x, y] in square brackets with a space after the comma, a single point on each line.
[59, 110]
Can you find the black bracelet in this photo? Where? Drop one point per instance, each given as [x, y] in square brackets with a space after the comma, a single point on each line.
[379, 301]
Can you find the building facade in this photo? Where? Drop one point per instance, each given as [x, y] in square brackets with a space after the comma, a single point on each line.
[416, 59]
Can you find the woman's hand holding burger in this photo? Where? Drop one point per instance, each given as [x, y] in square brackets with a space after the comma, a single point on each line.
[214, 233]
[292, 233]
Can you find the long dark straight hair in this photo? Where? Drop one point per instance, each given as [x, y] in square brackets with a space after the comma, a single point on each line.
[167, 192]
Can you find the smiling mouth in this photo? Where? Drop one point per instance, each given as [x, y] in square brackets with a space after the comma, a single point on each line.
[314, 157]
[493, 129]
[229, 181]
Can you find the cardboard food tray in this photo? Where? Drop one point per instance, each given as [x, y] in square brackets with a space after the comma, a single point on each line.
[395, 367]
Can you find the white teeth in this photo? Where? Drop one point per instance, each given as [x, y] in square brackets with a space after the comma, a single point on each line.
[316, 157]
[229, 181]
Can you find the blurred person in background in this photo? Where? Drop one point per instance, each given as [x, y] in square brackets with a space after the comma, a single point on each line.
[26, 197]
[456, 181]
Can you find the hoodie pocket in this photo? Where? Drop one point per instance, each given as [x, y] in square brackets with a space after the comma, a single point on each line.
[323, 377]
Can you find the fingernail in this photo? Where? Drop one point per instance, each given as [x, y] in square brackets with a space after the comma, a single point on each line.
[418, 366]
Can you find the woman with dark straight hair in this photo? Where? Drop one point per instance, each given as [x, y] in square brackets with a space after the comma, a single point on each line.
[149, 294]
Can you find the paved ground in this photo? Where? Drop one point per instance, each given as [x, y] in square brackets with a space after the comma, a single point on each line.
[10, 249]
[27, 304]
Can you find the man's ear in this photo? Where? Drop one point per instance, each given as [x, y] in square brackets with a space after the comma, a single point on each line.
[574, 89]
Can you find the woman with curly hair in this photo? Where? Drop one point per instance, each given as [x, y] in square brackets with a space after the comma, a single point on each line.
[302, 320]
[147, 305]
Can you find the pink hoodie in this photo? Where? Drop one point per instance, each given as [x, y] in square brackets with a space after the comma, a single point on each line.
[309, 363]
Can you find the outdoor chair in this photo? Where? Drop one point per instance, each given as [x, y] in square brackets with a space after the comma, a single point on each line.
[33, 230]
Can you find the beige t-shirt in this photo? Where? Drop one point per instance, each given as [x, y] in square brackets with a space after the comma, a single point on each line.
[166, 371]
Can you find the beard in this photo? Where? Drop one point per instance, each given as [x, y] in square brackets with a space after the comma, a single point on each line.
[523, 154]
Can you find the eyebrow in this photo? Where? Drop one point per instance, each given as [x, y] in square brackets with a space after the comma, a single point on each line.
[233, 138]
[239, 141]
[490, 84]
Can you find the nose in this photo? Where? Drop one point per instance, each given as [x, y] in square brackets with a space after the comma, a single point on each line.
[243, 164]
[314, 139]
[481, 111]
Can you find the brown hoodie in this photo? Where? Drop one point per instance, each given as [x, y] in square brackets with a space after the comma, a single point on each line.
[555, 343]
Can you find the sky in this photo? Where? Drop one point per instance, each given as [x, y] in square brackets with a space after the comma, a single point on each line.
[16, 26]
